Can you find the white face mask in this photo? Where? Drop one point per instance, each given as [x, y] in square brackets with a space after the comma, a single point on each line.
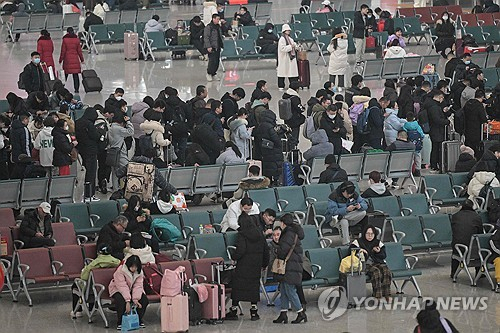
[66, 128]
[270, 31]
[118, 98]
[445, 17]
[332, 116]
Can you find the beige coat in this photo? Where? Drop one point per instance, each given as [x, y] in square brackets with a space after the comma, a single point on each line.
[286, 66]
[156, 130]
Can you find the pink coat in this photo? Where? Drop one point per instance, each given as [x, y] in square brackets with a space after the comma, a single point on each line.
[45, 47]
[71, 54]
[129, 285]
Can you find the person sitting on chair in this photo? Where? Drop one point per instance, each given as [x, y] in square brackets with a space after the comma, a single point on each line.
[36, 228]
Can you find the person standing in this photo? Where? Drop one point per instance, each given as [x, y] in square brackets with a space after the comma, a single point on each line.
[120, 128]
[63, 145]
[338, 58]
[213, 42]
[72, 56]
[45, 47]
[44, 143]
[475, 117]
[360, 33]
[298, 117]
[438, 120]
[21, 143]
[287, 62]
[32, 75]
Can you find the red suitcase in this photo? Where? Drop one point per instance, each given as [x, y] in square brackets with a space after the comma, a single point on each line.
[131, 46]
[238, 2]
[214, 308]
[304, 73]
[478, 49]
[371, 42]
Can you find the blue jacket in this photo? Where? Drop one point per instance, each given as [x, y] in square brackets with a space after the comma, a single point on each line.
[337, 204]
[413, 126]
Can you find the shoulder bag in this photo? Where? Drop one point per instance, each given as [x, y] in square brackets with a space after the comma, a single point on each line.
[279, 265]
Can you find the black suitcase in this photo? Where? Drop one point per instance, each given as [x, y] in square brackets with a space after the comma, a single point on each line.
[178, 55]
[89, 73]
[92, 84]
[195, 317]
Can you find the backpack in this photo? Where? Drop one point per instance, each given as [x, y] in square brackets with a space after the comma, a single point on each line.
[309, 127]
[172, 35]
[152, 279]
[146, 142]
[423, 120]
[178, 125]
[459, 121]
[172, 282]
[494, 210]
[20, 83]
[417, 140]
[164, 231]
[285, 109]
[362, 124]
[102, 129]
[354, 111]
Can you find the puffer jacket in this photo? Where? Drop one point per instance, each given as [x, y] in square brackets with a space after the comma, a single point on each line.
[229, 157]
[156, 130]
[117, 135]
[294, 268]
[465, 162]
[45, 47]
[395, 52]
[266, 130]
[488, 162]
[62, 147]
[209, 8]
[153, 25]
[240, 136]
[145, 254]
[129, 285]
[20, 140]
[337, 204]
[86, 133]
[392, 125]
[298, 117]
[212, 36]
[334, 137]
[71, 54]
[480, 179]
[44, 142]
[137, 118]
[320, 146]
[250, 183]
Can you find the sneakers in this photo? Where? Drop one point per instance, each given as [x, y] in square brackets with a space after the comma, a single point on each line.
[201, 57]
[142, 325]
[209, 78]
[281, 89]
[77, 314]
[104, 186]
[216, 77]
[119, 327]
[232, 314]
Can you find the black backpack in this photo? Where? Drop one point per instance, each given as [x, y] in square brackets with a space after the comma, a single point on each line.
[178, 124]
[171, 34]
[459, 121]
[146, 142]
[423, 120]
[493, 210]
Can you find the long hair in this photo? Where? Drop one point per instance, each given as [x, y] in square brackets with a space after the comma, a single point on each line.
[132, 202]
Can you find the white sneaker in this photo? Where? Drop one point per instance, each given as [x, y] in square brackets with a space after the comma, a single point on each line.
[281, 89]
[94, 198]
[209, 78]
[206, 57]
[216, 77]
[77, 314]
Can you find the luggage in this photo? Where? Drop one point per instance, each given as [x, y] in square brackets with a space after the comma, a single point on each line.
[164, 231]
[195, 314]
[174, 313]
[238, 2]
[371, 42]
[152, 279]
[91, 84]
[354, 283]
[449, 155]
[87, 73]
[140, 181]
[178, 55]
[492, 128]
[184, 39]
[304, 73]
[285, 109]
[251, 161]
[131, 47]
[214, 308]
[472, 49]
[486, 143]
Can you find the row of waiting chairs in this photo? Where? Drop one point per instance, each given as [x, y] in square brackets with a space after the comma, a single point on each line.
[111, 33]
[259, 11]
[136, 16]
[30, 192]
[395, 68]
[37, 22]
[430, 14]
[480, 19]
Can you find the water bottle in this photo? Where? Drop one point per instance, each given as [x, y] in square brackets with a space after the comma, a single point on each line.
[201, 228]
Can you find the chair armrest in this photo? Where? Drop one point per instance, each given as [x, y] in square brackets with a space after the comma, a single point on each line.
[94, 218]
[101, 288]
[347, 21]
[282, 203]
[462, 250]
[412, 188]
[229, 250]
[238, 49]
[81, 239]
[456, 189]
[479, 201]
[187, 230]
[425, 26]
[494, 248]
[87, 261]
[110, 34]
[405, 211]
[411, 261]
[258, 48]
[418, 15]
[300, 216]
[306, 171]
[485, 255]
[217, 227]
[429, 192]
[6, 265]
[23, 269]
[433, 209]
[18, 244]
[398, 236]
[315, 268]
[180, 251]
[297, 33]
[378, 212]
[433, 16]
[305, 8]
[486, 35]
[233, 35]
[64, 219]
[56, 267]
[200, 253]
[321, 220]
[314, 22]
[431, 232]
[200, 278]
[488, 227]
[325, 242]
[311, 200]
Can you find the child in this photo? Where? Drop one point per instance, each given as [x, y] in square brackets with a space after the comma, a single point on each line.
[415, 135]
[139, 248]
[72, 104]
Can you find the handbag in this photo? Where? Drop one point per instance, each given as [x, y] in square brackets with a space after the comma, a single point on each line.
[267, 144]
[73, 154]
[279, 265]
[483, 193]
[130, 321]
[113, 156]
[350, 263]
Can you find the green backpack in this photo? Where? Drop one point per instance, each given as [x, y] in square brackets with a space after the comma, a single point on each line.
[164, 231]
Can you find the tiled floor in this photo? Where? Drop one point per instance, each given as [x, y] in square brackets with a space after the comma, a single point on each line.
[51, 310]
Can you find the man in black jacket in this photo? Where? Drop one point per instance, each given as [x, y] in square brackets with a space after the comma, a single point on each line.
[355, 89]
[298, 117]
[268, 40]
[213, 42]
[243, 16]
[376, 122]
[91, 19]
[37, 103]
[198, 104]
[177, 121]
[88, 139]
[438, 120]
[333, 172]
[230, 102]
[36, 227]
[21, 143]
[112, 234]
[360, 32]
[196, 28]
[32, 75]
[112, 104]
[260, 87]
[464, 67]
[475, 117]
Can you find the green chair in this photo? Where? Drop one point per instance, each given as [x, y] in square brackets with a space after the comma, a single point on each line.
[490, 78]
[484, 253]
[37, 6]
[291, 199]
[458, 178]
[102, 212]
[4, 106]
[416, 205]
[175, 219]
[209, 246]
[78, 214]
[325, 266]
[381, 37]
[317, 192]
[323, 41]
[440, 191]
[99, 35]
[230, 238]
[388, 206]
[312, 240]
[414, 29]
[154, 41]
[320, 22]
[117, 31]
[139, 28]
[246, 48]
[191, 221]
[408, 232]
[304, 34]
[229, 51]
[301, 18]
[439, 228]
[401, 267]
[478, 34]
[250, 32]
[467, 257]
[266, 198]
[493, 34]
[217, 215]
[336, 20]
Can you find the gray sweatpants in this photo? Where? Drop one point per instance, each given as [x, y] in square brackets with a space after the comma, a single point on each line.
[350, 219]
[360, 44]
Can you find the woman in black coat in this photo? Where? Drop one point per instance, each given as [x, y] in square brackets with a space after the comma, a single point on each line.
[290, 242]
[405, 101]
[268, 146]
[139, 220]
[333, 124]
[268, 40]
[445, 30]
[251, 255]
[62, 147]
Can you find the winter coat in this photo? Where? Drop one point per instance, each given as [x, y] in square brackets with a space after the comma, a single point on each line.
[294, 269]
[267, 40]
[229, 106]
[462, 70]
[71, 54]
[337, 204]
[196, 31]
[69, 121]
[112, 105]
[392, 125]
[129, 285]
[102, 261]
[464, 224]
[29, 226]
[62, 147]
[332, 174]
[156, 130]
[20, 140]
[376, 123]
[265, 130]
[466, 95]
[230, 219]
[478, 181]
[33, 105]
[109, 236]
[376, 190]
[250, 183]
[251, 255]
[286, 66]
[438, 120]
[92, 19]
[196, 155]
[334, 137]
[370, 255]
[245, 19]
[209, 8]
[145, 254]
[395, 52]
[138, 109]
[34, 129]
[240, 136]
[116, 136]
[391, 94]
[153, 25]
[212, 36]
[229, 157]
[360, 25]
[350, 93]
[100, 10]
[360, 103]
[393, 37]
[298, 117]
[320, 146]
[475, 116]
[86, 133]
[400, 145]
[344, 112]
[338, 57]
[488, 162]
[44, 144]
[32, 78]
[465, 162]
[213, 120]
[45, 47]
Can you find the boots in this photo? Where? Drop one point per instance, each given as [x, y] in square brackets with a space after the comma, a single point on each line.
[283, 318]
[232, 314]
[253, 314]
[301, 316]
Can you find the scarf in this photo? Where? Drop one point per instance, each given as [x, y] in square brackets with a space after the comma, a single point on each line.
[288, 42]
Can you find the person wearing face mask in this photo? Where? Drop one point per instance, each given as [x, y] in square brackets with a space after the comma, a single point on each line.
[338, 58]
[32, 75]
[371, 21]
[268, 40]
[63, 145]
[333, 124]
[464, 67]
[113, 102]
[445, 30]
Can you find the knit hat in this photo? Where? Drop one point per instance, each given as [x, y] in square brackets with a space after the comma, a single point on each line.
[466, 149]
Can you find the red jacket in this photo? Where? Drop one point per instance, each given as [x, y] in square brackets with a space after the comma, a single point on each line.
[45, 47]
[71, 54]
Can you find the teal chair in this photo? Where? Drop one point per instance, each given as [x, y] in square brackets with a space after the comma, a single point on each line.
[325, 267]
[439, 227]
[312, 240]
[317, 192]
[402, 267]
[388, 206]
[209, 246]
[440, 191]
[102, 212]
[417, 204]
[266, 198]
[291, 199]
[191, 221]
[408, 231]
[78, 214]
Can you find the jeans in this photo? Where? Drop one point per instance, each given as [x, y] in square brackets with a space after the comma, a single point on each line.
[341, 80]
[281, 81]
[289, 295]
[180, 146]
[76, 81]
[360, 45]
[90, 164]
[417, 160]
[120, 306]
[436, 154]
[350, 219]
[213, 62]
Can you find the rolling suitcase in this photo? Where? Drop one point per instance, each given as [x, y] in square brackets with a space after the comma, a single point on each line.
[354, 283]
[91, 82]
[304, 73]
[175, 312]
[487, 142]
[251, 161]
[131, 46]
[195, 317]
[214, 308]
[450, 151]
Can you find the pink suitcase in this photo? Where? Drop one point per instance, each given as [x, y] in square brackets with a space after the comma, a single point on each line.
[214, 308]
[131, 46]
[174, 314]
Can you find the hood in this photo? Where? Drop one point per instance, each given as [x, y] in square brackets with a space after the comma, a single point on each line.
[464, 157]
[268, 116]
[268, 26]
[90, 114]
[257, 102]
[151, 125]
[209, 4]
[173, 101]
[152, 23]
[356, 99]
[56, 130]
[252, 233]
[313, 100]
[139, 106]
[378, 188]
[233, 125]
[319, 136]
[47, 131]
[484, 176]
[318, 108]
[396, 49]
[391, 112]
[16, 124]
[44, 38]
[70, 36]
[164, 207]
[291, 92]
[253, 183]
